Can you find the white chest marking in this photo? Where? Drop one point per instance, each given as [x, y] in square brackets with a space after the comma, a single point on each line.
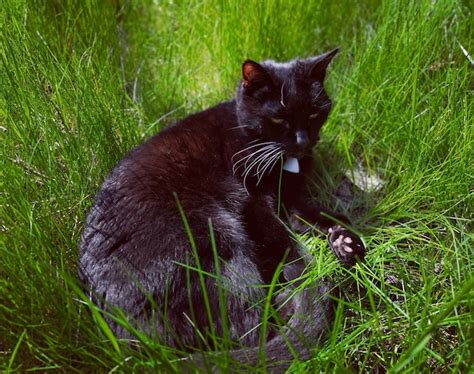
[292, 165]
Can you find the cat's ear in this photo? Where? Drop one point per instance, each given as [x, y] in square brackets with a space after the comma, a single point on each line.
[317, 66]
[253, 74]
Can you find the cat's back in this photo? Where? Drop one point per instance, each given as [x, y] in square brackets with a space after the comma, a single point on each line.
[180, 157]
[191, 148]
[138, 202]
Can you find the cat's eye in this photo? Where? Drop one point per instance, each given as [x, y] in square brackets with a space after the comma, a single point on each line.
[278, 121]
[313, 116]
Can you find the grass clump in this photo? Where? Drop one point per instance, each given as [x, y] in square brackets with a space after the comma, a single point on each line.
[82, 82]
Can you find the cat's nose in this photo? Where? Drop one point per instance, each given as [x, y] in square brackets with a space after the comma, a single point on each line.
[302, 139]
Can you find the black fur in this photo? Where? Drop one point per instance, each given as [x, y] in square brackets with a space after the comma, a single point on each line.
[135, 246]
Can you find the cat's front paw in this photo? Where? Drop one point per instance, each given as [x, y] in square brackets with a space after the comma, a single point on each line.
[347, 246]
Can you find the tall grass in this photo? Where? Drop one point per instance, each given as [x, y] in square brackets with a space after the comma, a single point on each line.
[82, 82]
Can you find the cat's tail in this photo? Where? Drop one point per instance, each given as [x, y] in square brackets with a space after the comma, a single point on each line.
[312, 316]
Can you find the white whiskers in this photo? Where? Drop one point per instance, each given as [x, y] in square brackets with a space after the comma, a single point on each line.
[262, 158]
[270, 164]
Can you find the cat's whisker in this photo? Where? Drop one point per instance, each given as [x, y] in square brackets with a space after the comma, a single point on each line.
[275, 162]
[245, 185]
[265, 149]
[281, 96]
[237, 127]
[271, 162]
[269, 155]
[279, 148]
[263, 161]
[268, 164]
[253, 141]
[236, 166]
[318, 94]
[244, 160]
[246, 191]
[239, 163]
[250, 147]
[253, 145]
[325, 105]
[248, 157]
[248, 168]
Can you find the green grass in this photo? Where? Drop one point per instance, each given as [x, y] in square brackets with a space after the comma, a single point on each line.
[82, 82]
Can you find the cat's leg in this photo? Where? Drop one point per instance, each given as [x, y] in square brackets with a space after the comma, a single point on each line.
[346, 245]
[300, 318]
[241, 285]
[233, 280]
[304, 314]
[213, 298]
[306, 216]
[275, 246]
[270, 235]
[178, 301]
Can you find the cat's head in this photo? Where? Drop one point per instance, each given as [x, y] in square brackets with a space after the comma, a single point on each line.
[285, 102]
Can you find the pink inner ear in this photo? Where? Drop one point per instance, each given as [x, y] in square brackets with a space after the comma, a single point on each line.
[249, 71]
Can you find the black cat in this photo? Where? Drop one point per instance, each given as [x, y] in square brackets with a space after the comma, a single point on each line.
[234, 166]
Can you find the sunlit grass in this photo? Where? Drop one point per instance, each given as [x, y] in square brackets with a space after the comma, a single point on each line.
[82, 82]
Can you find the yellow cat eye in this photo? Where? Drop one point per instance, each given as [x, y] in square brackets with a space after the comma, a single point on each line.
[278, 121]
[314, 115]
